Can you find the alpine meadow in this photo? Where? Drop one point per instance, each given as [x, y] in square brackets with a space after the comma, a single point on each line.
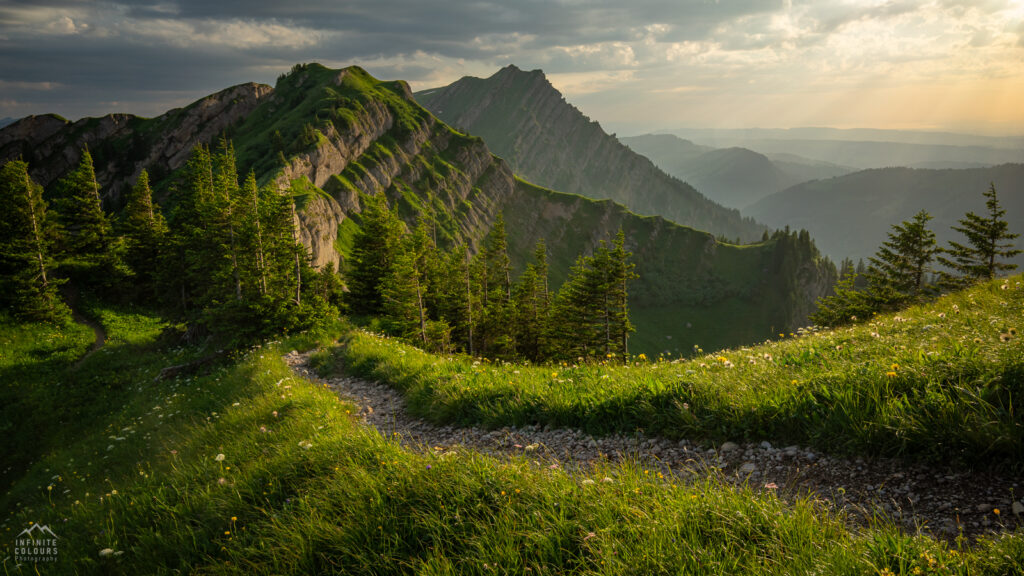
[404, 307]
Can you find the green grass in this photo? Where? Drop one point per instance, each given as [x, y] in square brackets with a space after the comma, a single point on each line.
[938, 382]
[302, 489]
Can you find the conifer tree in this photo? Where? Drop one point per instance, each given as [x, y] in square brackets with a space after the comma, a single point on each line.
[988, 242]
[846, 304]
[574, 330]
[899, 270]
[87, 230]
[374, 249]
[531, 304]
[621, 272]
[402, 295]
[25, 249]
[496, 333]
[250, 211]
[144, 232]
[224, 231]
[185, 269]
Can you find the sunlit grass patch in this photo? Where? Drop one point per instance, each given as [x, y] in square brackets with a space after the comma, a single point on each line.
[940, 381]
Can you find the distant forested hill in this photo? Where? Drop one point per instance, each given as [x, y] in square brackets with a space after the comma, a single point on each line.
[850, 215]
[734, 177]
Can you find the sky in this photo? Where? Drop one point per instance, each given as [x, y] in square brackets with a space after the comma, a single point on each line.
[633, 65]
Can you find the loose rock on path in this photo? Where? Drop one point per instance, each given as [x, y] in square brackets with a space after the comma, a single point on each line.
[942, 501]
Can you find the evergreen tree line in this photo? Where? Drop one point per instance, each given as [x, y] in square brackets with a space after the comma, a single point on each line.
[450, 300]
[904, 270]
[227, 261]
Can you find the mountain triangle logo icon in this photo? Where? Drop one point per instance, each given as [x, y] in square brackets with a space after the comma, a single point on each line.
[37, 543]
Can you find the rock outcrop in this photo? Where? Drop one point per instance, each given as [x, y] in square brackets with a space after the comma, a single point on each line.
[123, 145]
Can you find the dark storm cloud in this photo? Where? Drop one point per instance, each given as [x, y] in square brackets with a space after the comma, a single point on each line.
[120, 51]
[82, 57]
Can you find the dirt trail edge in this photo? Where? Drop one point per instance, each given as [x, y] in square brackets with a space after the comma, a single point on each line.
[100, 334]
[944, 502]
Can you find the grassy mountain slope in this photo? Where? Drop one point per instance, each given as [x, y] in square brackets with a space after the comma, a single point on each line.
[526, 121]
[939, 382]
[336, 135]
[850, 215]
[249, 469]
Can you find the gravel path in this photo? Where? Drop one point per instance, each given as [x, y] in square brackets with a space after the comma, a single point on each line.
[941, 501]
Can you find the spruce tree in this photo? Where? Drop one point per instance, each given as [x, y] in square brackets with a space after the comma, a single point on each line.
[402, 296]
[374, 249]
[988, 242]
[621, 272]
[144, 231]
[30, 290]
[497, 337]
[249, 210]
[575, 328]
[87, 230]
[899, 270]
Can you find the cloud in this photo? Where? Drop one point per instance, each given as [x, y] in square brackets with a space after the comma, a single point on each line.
[148, 54]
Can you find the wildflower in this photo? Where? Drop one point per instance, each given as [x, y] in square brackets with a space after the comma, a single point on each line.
[642, 356]
[234, 518]
[794, 382]
[1005, 337]
[305, 444]
[589, 536]
[174, 452]
[428, 466]
[771, 486]
[274, 413]
[221, 481]
[996, 511]
[106, 552]
[587, 481]
[607, 480]
[890, 374]
[894, 367]
[219, 457]
[554, 374]
[1004, 286]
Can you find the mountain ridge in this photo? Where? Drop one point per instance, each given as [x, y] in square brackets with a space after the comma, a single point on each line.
[331, 137]
[529, 123]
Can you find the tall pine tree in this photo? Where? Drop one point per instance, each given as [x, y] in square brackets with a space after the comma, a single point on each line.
[899, 270]
[30, 290]
[989, 241]
[144, 232]
[374, 249]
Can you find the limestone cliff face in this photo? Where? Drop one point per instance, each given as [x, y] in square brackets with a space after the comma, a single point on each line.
[526, 121]
[53, 146]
